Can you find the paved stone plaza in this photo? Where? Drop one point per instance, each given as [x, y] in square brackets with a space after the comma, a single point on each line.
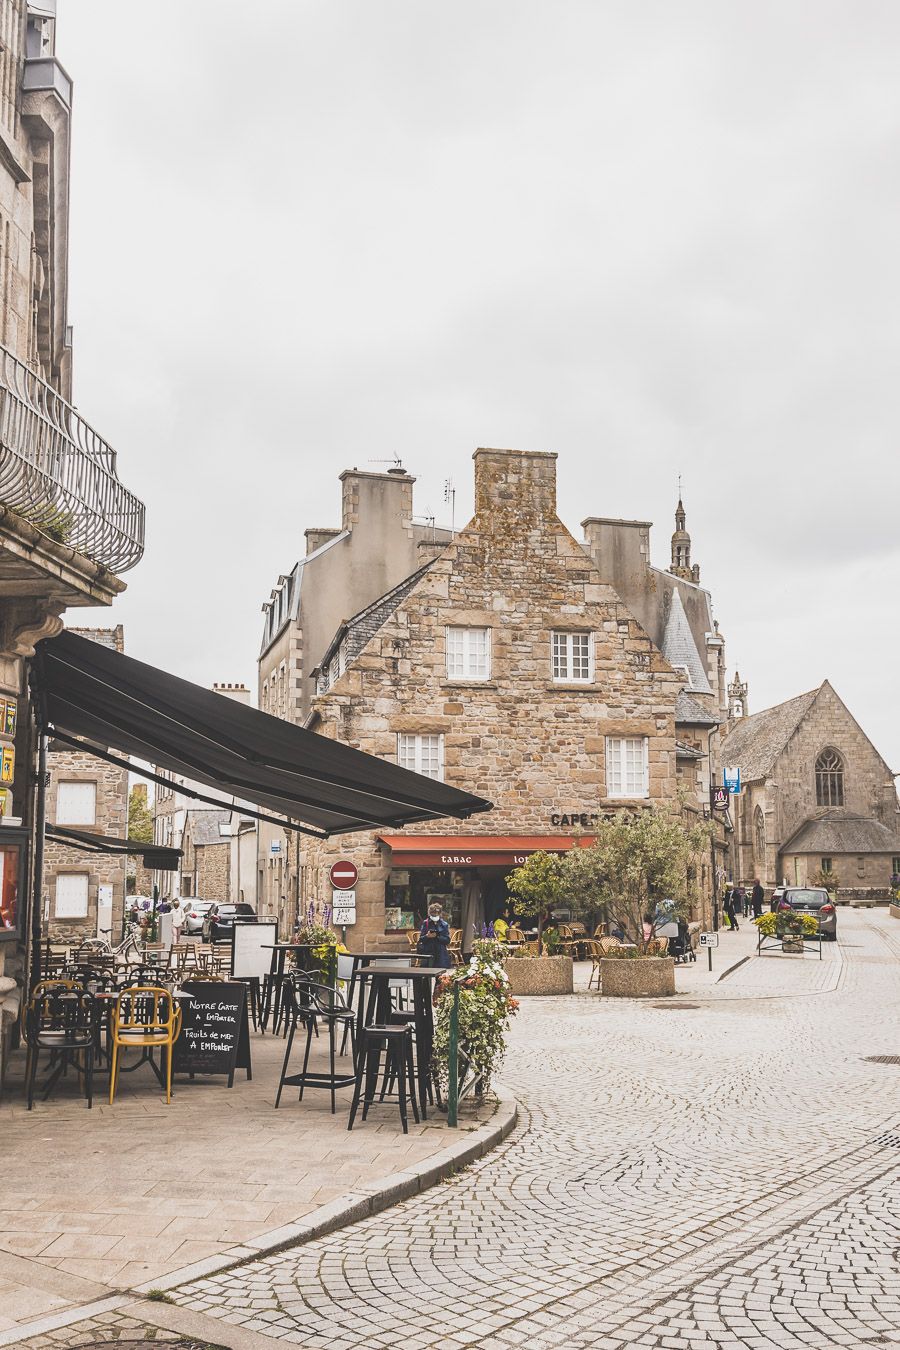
[722, 1169]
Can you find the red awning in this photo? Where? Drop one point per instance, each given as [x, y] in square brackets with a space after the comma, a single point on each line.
[475, 850]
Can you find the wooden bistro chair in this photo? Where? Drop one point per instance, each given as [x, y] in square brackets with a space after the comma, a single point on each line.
[412, 937]
[595, 954]
[456, 945]
[144, 1017]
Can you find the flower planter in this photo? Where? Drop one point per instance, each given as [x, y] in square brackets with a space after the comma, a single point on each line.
[638, 977]
[792, 945]
[894, 910]
[539, 975]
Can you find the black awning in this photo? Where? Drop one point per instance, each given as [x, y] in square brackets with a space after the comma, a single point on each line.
[110, 700]
[154, 855]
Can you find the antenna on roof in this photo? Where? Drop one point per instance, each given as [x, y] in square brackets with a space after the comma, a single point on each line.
[450, 496]
[395, 461]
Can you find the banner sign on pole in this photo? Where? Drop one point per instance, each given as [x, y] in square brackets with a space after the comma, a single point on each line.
[732, 779]
[718, 797]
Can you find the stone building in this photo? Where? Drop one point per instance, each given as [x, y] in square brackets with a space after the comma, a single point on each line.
[86, 891]
[206, 855]
[507, 662]
[68, 527]
[817, 796]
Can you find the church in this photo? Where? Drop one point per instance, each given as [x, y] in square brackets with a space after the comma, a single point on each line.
[818, 804]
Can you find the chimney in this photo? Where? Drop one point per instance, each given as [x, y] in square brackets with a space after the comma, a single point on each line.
[518, 484]
[239, 692]
[380, 503]
[316, 538]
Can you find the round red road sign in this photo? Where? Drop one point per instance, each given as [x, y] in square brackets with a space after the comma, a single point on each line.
[343, 875]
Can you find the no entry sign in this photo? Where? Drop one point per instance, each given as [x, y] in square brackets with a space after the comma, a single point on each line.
[343, 875]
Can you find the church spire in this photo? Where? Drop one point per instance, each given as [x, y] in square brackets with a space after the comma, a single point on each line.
[681, 547]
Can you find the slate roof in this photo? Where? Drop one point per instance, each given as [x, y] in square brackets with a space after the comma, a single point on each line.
[680, 649]
[835, 831]
[688, 712]
[364, 625]
[204, 827]
[756, 742]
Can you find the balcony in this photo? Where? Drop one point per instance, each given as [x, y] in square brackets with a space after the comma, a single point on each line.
[60, 475]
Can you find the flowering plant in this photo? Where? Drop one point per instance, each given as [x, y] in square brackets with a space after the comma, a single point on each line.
[316, 930]
[485, 1008]
[787, 922]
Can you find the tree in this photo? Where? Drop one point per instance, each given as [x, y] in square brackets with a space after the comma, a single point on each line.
[538, 885]
[637, 861]
[140, 820]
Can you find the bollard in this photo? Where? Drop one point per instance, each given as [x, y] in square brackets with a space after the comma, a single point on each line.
[453, 1066]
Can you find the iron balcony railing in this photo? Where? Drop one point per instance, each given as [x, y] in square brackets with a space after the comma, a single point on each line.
[58, 473]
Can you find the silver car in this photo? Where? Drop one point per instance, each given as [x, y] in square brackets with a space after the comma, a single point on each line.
[813, 900]
[195, 911]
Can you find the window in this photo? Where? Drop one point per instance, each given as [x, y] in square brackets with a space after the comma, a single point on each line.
[829, 779]
[76, 803]
[72, 895]
[827, 865]
[759, 830]
[468, 653]
[627, 772]
[573, 657]
[422, 754]
[895, 867]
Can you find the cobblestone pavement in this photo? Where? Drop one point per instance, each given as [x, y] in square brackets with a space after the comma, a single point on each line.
[725, 1173]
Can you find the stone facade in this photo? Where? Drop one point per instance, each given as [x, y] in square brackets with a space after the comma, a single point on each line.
[206, 855]
[778, 750]
[533, 745]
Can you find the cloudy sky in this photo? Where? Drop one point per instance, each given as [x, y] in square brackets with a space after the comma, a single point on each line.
[655, 237]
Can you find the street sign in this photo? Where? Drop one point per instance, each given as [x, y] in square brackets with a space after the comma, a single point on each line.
[732, 779]
[343, 907]
[274, 848]
[719, 797]
[343, 875]
[709, 939]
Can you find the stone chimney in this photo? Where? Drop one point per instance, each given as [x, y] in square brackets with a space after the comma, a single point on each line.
[316, 538]
[377, 503]
[519, 484]
[239, 692]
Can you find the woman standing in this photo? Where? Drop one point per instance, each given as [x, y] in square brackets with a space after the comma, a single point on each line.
[434, 937]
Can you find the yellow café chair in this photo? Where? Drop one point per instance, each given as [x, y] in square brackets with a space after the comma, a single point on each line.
[144, 1017]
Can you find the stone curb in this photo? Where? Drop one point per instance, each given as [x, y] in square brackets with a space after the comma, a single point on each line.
[366, 1200]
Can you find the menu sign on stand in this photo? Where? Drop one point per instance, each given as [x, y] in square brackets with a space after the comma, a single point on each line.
[215, 1032]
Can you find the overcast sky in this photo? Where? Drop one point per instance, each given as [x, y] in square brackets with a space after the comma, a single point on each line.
[657, 238]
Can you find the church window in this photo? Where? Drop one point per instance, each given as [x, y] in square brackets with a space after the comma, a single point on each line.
[759, 834]
[827, 865]
[829, 779]
[895, 867]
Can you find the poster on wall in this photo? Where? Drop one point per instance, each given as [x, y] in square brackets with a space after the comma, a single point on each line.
[10, 716]
[8, 765]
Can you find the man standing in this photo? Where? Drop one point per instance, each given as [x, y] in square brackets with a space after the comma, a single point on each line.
[733, 907]
[757, 899]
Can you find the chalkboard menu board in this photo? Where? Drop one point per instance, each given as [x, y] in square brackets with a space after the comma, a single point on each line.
[215, 1033]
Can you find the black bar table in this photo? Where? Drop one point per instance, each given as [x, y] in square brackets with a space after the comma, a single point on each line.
[279, 952]
[378, 1008]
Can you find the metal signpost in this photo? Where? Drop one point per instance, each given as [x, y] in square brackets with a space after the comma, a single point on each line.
[709, 940]
[344, 876]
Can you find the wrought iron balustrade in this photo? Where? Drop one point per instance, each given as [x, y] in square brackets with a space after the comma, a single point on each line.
[58, 473]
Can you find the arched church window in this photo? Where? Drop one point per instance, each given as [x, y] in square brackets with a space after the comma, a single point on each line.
[759, 837]
[829, 779]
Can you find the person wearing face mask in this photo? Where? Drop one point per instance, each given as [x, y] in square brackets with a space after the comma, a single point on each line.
[434, 938]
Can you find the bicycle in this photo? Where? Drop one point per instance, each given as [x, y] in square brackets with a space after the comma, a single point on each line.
[100, 946]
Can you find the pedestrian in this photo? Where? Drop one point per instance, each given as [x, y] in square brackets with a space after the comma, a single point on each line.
[177, 921]
[434, 937]
[732, 905]
[726, 898]
[737, 901]
[757, 899]
[745, 899]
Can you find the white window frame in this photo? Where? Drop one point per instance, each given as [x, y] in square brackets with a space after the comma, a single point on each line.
[617, 767]
[66, 815]
[464, 662]
[411, 748]
[72, 906]
[562, 656]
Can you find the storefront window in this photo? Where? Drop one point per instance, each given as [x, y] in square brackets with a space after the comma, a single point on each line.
[409, 893]
[10, 868]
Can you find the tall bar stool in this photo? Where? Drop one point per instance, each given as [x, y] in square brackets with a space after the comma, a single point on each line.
[396, 1042]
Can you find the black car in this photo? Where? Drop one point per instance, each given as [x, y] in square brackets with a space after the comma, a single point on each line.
[220, 919]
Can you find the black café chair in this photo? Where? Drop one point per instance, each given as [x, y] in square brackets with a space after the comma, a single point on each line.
[306, 1002]
[63, 1022]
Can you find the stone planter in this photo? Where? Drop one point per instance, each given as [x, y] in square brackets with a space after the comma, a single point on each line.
[792, 945]
[539, 974]
[894, 910]
[640, 977]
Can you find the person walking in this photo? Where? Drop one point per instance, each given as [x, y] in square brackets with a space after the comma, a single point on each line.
[757, 899]
[177, 921]
[732, 905]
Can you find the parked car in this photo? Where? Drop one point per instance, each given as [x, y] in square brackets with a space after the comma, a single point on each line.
[814, 900]
[777, 897]
[220, 919]
[195, 911]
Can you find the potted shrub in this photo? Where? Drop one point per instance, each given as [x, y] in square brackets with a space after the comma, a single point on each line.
[639, 865]
[485, 1008]
[537, 886]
